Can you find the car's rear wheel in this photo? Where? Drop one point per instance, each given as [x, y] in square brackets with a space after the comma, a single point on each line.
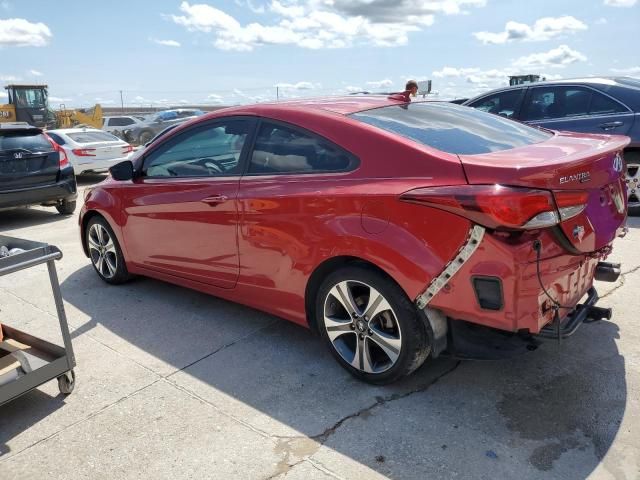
[66, 207]
[105, 252]
[370, 325]
[633, 182]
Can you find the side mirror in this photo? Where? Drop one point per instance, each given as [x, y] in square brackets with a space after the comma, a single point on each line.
[122, 171]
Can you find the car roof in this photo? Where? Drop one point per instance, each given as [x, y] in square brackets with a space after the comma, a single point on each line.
[65, 131]
[605, 81]
[344, 105]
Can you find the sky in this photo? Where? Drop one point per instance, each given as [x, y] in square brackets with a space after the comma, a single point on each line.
[172, 52]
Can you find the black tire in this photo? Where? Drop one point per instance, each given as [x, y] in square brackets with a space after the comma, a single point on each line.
[407, 330]
[67, 207]
[145, 137]
[632, 160]
[112, 269]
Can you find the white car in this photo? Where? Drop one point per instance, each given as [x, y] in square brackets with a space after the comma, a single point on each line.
[120, 123]
[91, 150]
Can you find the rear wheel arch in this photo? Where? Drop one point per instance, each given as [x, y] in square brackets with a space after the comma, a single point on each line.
[320, 273]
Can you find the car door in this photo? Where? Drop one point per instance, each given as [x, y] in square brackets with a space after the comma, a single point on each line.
[576, 109]
[181, 215]
[283, 193]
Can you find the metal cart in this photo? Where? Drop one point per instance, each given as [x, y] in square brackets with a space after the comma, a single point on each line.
[53, 361]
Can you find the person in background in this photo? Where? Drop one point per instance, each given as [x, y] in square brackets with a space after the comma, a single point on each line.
[412, 88]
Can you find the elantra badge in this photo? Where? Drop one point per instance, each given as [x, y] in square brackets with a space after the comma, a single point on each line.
[581, 177]
[578, 232]
[618, 163]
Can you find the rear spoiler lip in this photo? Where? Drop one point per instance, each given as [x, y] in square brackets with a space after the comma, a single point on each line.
[505, 158]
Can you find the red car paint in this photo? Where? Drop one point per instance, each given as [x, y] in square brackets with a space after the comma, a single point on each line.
[266, 235]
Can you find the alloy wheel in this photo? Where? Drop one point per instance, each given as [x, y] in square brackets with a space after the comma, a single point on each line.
[102, 251]
[632, 180]
[362, 326]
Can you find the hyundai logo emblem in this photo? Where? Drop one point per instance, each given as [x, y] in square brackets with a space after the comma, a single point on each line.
[17, 155]
[617, 163]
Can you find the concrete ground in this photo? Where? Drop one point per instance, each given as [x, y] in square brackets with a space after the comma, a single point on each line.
[176, 384]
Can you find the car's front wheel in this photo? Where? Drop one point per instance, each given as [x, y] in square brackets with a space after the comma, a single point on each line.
[105, 252]
[370, 325]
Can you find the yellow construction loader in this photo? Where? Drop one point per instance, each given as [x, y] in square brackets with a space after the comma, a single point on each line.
[30, 103]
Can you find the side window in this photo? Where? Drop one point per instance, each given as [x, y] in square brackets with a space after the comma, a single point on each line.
[120, 122]
[209, 151]
[504, 103]
[557, 102]
[603, 105]
[281, 149]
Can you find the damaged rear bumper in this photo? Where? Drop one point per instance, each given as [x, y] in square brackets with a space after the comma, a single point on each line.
[586, 312]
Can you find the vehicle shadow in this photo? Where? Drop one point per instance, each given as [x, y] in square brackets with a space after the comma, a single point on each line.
[554, 412]
[27, 217]
[554, 404]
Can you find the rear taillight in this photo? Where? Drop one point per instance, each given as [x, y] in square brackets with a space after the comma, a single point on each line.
[62, 155]
[570, 203]
[127, 149]
[84, 152]
[498, 207]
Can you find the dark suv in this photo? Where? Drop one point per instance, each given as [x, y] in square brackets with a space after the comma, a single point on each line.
[34, 170]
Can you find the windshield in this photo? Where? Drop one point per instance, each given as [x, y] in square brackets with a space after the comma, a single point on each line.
[33, 142]
[30, 98]
[452, 128]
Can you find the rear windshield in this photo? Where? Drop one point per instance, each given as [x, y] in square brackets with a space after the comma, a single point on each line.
[35, 142]
[92, 137]
[452, 128]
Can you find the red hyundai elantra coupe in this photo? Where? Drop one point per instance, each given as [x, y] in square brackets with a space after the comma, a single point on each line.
[396, 230]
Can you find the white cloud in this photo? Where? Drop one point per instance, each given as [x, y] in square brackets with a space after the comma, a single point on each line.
[471, 81]
[556, 57]
[543, 29]
[18, 32]
[620, 3]
[601, 21]
[36, 73]
[352, 89]
[166, 43]
[296, 86]
[386, 83]
[54, 99]
[316, 24]
[9, 78]
[632, 71]
[3, 95]
[214, 98]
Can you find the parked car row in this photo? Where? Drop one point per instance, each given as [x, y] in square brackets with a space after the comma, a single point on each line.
[398, 231]
[140, 130]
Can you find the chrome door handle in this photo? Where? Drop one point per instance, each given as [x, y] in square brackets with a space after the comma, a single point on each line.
[610, 125]
[215, 199]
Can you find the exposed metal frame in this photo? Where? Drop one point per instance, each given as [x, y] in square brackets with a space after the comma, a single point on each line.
[476, 233]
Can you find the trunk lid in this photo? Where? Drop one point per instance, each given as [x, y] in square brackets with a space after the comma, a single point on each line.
[566, 162]
[107, 151]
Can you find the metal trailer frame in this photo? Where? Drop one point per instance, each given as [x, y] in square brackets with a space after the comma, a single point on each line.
[61, 360]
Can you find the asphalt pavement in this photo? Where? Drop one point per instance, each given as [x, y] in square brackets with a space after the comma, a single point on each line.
[176, 384]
